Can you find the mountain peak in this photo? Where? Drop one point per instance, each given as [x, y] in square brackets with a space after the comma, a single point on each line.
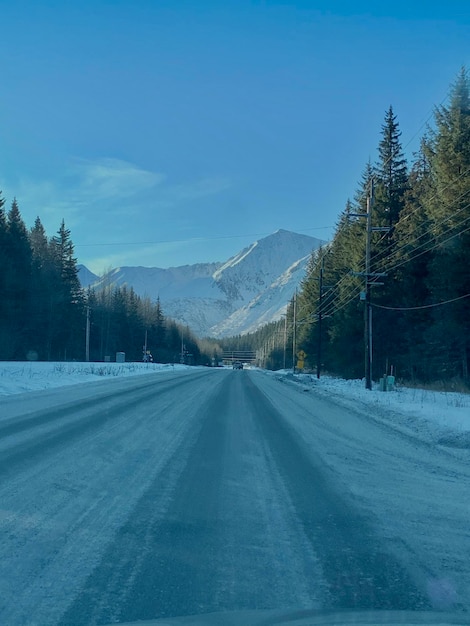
[257, 266]
[250, 288]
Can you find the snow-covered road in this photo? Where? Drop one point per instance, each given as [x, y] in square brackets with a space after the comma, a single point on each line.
[213, 490]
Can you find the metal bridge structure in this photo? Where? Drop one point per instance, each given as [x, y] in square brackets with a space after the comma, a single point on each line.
[244, 356]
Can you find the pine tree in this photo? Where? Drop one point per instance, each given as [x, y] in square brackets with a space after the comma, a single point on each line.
[449, 212]
[158, 328]
[307, 306]
[449, 156]
[390, 186]
[69, 310]
[409, 276]
[344, 312]
[42, 272]
[18, 274]
[39, 243]
[4, 314]
[390, 174]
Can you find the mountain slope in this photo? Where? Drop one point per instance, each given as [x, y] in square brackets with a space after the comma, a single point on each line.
[255, 268]
[86, 277]
[221, 299]
[193, 281]
[265, 307]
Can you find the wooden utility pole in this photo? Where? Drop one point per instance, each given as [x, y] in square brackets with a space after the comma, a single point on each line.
[367, 307]
[294, 333]
[320, 299]
[368, 283]
[368, 275]
[87, 335]
[285, 340]
[145, 356]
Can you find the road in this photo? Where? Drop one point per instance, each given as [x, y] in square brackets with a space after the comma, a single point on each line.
[219, 490]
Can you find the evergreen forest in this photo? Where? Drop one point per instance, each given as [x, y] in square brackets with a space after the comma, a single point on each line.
[414, 276]
[46, 315]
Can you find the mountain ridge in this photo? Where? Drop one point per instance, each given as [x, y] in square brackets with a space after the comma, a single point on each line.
[220, 299]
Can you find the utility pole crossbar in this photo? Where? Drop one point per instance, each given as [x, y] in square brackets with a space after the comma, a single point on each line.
[374, 274]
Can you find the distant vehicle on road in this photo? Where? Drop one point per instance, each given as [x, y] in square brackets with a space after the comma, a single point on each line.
[237, 365]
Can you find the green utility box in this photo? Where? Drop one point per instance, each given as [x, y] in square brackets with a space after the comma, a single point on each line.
[387, 383]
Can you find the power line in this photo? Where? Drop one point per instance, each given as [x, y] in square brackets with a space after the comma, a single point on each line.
[418, 308]
[403, 241]
[334, 309]
[354, 292]
[189, 239]
[437, 244]
[406, 242]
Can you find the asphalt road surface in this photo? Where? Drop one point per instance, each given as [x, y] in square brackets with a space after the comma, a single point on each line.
[219, 490]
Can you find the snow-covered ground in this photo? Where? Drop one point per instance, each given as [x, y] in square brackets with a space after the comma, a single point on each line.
[18, 377]
[445, 410]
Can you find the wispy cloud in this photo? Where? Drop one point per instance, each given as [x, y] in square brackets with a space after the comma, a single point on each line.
[74, 193]
[198, 189]
[109, 184]
[110, 201]
[107, 179]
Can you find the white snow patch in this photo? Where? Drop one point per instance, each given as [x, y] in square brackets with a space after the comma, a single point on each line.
[448, 410]
[18, 377]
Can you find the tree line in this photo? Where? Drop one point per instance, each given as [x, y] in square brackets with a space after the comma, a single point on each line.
[419, 275]
[44, 312]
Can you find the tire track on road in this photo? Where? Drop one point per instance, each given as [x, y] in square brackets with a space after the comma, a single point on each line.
[39, 418]
[213, 532]
[60, 514]
[144, 570]
[72, 423]
[360, 574]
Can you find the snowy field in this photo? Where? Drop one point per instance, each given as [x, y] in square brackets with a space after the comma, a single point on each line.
[446, 410]
[18, 377]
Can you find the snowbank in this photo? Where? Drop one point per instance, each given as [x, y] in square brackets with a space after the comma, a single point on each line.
[449, 410]
[18, 377]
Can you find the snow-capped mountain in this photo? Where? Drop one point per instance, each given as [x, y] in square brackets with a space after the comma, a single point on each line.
[265, 307]
[186, 281]
[86, 277]
[252, 288]
[256, 267]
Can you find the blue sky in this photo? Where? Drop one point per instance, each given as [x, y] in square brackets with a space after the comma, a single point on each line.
[174, 132]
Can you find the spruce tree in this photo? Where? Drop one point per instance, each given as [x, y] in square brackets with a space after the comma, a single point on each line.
[391, 184]
[390, 174]
[449, 212]
[344, 322]
[18, 274]
[4, 315]
[40, 290]
[158, 328]
[69, 309]
[409, 275]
